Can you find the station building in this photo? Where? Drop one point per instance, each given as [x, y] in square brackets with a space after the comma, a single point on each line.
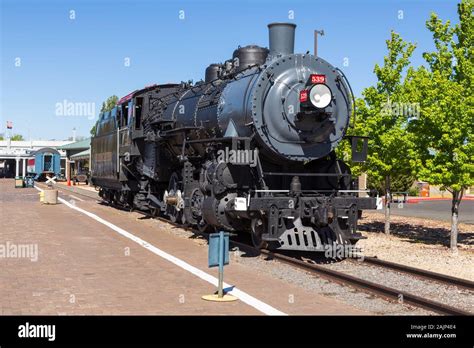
[77, 158]
[14, 155]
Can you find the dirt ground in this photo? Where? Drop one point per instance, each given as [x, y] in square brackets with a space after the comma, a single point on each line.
[419, 243]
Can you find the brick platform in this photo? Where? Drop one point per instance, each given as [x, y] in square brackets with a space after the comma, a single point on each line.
[84, 267]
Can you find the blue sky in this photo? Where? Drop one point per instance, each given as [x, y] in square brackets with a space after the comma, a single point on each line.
[82, 60]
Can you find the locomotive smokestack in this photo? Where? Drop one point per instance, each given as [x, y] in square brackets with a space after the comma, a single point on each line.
[282, 38]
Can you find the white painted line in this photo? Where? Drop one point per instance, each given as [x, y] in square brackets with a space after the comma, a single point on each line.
[76, 198]
[248, 299]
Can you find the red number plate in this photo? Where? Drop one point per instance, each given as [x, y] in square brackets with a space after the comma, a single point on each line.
[318, 78]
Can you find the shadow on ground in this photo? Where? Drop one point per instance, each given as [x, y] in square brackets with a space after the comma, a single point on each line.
[418, 233]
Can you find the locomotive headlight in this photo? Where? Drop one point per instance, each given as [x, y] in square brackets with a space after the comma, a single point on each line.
[320, 96]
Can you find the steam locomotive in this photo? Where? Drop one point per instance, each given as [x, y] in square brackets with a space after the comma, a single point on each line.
[249, 149]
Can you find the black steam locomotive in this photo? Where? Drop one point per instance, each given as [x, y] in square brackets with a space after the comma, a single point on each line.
[250, 149]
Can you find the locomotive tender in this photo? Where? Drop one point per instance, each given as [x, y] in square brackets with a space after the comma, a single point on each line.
[250, 149]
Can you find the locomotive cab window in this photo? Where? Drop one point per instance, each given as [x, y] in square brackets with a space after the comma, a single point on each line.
[138, 112]
[118, 116]
[124, 113]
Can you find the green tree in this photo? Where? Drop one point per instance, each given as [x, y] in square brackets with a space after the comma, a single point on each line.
[17, 137]
[444, 90]
[384, 121]
[93, 129]
[108, 105]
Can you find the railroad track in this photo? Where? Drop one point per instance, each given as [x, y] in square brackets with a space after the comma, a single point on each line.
[379, 290]
[368, 286]
[421, 273]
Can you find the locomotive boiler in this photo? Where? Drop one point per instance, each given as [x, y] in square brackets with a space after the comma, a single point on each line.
[249, 149]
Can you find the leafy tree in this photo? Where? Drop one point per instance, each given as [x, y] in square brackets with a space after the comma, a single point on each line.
[444, 90]
[108, 105]
[17, 137]
[382, 120]
[93, 129]
[1, 138]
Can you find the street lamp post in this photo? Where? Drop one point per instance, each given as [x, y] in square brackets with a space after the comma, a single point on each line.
[316, 32]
